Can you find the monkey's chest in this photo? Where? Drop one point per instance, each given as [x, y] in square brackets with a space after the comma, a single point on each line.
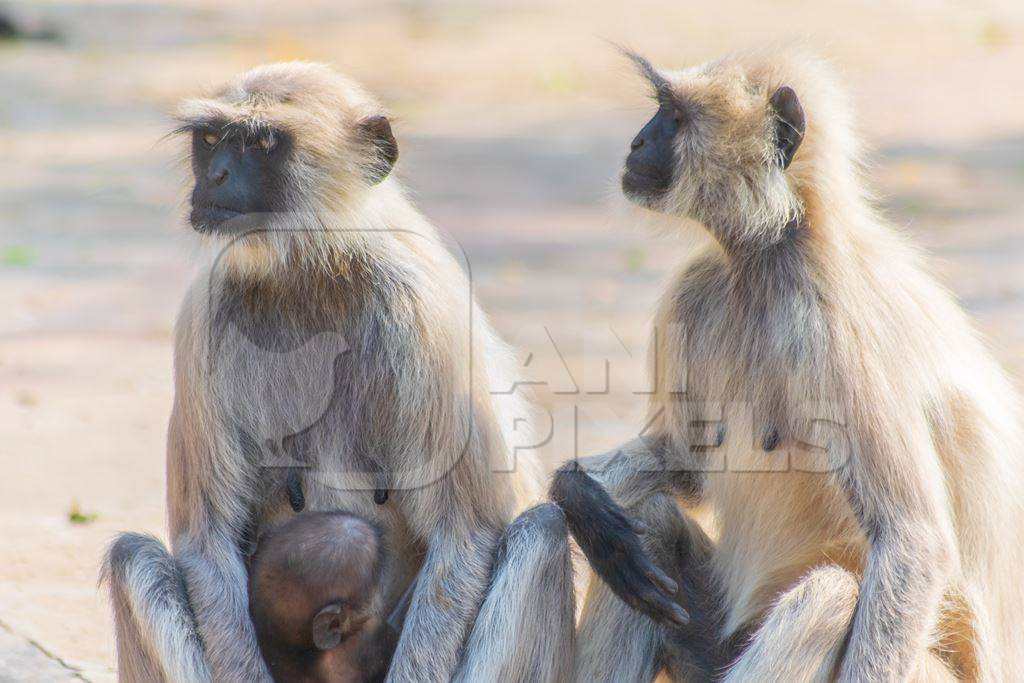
[745, 414]
[287, 383]
[295, 405]
[275, 392]
[754, 394]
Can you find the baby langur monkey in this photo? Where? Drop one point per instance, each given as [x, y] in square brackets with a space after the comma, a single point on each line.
[315, 596]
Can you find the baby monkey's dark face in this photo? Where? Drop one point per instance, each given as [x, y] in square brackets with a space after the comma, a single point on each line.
[240, 177]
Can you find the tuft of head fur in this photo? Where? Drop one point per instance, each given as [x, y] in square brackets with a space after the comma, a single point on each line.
[729, 176]
[328, 184]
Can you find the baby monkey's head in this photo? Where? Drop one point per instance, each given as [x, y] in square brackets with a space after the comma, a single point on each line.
[315, 600]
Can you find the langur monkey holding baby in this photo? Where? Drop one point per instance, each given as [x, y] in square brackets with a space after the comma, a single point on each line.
[830, 404]
[329, 356]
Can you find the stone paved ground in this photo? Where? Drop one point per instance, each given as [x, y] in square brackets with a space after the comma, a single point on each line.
[24, 660]
[513, 117]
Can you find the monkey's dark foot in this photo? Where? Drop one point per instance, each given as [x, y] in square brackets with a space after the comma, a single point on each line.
[608, 538]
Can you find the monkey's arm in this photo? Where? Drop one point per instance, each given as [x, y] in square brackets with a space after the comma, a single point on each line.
[893, 478]
[205, 513]
[216, 580]
[607, 535]
[449, 497]
[447, 595]
[639, 468]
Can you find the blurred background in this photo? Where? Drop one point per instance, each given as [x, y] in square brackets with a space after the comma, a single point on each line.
[513, 117]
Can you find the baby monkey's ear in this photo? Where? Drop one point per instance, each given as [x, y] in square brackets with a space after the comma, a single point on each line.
[377, 131]
[332, 624]
[790, 123]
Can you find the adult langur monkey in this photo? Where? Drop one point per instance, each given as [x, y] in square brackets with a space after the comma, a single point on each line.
[330, 356]
[828, 401]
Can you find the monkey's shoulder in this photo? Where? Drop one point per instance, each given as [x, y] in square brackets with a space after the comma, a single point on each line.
[699, 288]
[377, 307]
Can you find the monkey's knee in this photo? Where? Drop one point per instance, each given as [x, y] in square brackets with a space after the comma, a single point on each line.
[524, 631]
[143, 578]
[542, 528]
[802, 635]
[130, 552]
[547, 519]
[826, 594]
[536, 546]
[153, 622]
[816, 611]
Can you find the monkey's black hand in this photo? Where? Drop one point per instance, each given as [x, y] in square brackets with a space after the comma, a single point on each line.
[608, 537]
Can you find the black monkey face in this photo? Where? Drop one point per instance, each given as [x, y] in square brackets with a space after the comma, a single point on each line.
[238, 173]
[717, 143]
[653, 157]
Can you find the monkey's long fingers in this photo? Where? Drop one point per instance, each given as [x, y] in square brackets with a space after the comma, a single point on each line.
[643, 593]
[659, 600]
[662, 580]
[668, 612]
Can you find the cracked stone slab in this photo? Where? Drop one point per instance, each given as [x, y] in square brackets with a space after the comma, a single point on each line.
[22, 661]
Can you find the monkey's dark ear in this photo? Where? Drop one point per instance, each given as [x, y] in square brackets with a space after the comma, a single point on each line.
[377, 130]
[329, 625]
[790, 123]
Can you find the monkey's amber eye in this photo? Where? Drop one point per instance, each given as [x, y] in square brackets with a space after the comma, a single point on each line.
[267, 143]
[211, 138]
